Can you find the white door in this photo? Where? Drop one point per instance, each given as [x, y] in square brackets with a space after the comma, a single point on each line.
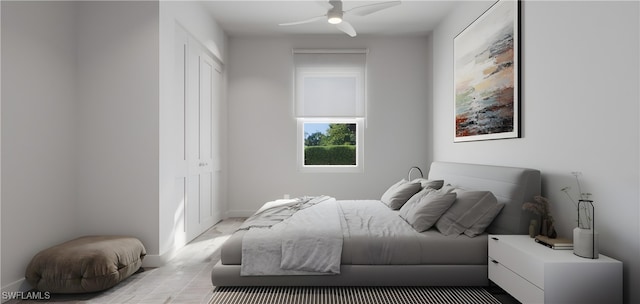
[179, 114]
[198, 119]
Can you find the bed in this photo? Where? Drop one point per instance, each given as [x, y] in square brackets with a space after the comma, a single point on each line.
[427, 258]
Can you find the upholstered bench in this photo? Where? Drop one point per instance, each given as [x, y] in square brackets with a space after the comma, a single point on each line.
[85, 264]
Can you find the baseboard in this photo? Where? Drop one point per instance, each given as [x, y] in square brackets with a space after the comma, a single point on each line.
[240, 213]
[159, 260]
[154, 261]
[10, 291]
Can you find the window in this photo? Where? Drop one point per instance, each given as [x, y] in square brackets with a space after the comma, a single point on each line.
[330, 145]
[330, 109]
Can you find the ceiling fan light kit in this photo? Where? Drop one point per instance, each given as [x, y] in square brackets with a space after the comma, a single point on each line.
[335, 15]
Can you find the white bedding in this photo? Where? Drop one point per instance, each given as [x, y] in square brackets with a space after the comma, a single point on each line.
[307, 242]
[377, 235]
[311, 241]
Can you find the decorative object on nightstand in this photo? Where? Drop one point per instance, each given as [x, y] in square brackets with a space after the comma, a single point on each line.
[557, 243]
[533, 228]
[540, 206]
[585, 237]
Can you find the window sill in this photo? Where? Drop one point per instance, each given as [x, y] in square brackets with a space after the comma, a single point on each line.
[331, 169]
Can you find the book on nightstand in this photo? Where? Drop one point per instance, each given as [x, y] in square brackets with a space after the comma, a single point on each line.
[557, 243]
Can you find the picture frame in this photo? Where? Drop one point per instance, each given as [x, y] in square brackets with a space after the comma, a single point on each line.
[487, 75]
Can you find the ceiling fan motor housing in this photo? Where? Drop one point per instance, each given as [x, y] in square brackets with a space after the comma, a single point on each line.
[334, 15]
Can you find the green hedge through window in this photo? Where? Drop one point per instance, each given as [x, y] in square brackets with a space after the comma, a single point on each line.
[341, 155]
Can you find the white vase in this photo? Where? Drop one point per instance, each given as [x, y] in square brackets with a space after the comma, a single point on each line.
[585, 243]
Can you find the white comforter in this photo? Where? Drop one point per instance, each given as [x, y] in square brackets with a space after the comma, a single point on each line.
[307, 242]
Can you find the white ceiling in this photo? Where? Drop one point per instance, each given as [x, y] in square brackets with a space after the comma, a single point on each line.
[243, 18]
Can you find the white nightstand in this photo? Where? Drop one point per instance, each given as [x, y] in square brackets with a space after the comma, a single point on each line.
[533, 273]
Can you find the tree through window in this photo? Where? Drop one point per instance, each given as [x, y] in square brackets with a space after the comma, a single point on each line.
[330, 144]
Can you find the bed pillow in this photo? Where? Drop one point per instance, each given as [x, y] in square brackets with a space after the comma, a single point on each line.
[398, 194]
[471, 213]
[406, 208]
[424, 214]
[429, 183]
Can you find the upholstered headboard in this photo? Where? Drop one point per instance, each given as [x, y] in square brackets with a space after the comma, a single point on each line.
[511, 186]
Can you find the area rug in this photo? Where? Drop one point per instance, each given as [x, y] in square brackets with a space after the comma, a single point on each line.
[355, 295]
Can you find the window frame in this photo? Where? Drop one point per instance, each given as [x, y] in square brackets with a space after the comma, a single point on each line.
[359, 166]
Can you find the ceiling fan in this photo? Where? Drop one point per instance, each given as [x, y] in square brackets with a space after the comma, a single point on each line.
[335, 14]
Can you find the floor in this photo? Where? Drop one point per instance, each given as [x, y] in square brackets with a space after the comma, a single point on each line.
[185, 279]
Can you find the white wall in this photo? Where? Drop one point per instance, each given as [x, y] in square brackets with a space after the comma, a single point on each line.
[118, 119]
[80, 125]
[262, 129]
[580, 75]
[38, 132]
[192, 17]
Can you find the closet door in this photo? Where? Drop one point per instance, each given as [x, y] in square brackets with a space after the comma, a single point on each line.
[203, 146]
[199, 191]
[179, 107]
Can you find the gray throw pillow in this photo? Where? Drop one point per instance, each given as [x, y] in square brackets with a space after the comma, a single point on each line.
[471, 213]
[398, 194]
[428, 209]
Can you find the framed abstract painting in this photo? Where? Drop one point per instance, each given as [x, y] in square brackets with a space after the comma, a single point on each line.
[486, 75]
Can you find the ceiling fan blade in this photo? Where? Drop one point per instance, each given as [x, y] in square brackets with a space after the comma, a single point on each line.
[314, 19]
[369, 9]
[347, 28]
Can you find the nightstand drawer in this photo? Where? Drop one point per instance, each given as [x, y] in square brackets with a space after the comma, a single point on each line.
[526, 265]
[521, 289]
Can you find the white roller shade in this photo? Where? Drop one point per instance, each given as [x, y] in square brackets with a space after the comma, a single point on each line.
[330, 83]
